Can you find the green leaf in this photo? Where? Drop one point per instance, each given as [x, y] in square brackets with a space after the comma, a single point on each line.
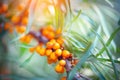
[83, 58]
[94, 68]
[109, 41]
[109, 54]
[27, 60]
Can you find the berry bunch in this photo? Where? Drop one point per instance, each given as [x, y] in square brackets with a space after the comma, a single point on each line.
[51, 46]
[18, 20]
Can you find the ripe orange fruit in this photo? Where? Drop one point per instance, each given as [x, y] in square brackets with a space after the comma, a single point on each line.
[26, 12]
[62, 62]
[49, 60]
[53, 56]
[48, 52]
[24, 21]
[58, 31]
[20, 7]
[15, 19]
[60, 40]
[64, 78]
[59, 68]
[28, 38]
[65, 54]
[32, 49]
[49, 45]
[38, 47]
[56, 46]
[4, 7]
[50, 35]
[20, 29]
[53, 40]
[45, 32]
[7, 26]
[50, 28]
[58, 52]
[40, 50]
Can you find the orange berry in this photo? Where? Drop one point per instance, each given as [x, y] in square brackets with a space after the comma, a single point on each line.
[22, 39]
[53, 56]
[32, 49]
[20, 29]
[20, 7]
[60, 40]
[64, 78]
[58, 52]
[50, 28]
[58, 31]
[26, 12]
[15, 19]
[59, 69]
[50, 35]
[49, 60]
[65, 53]
[38, 47]
[28, 38]
[53, 40]
[48, 52]
[62, 62]
[45, 32]
[7, 26]
[56, 46]
[40, 50]
[24, 20]
[49, 45]
[4, 7]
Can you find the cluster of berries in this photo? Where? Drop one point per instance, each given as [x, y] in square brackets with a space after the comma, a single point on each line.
[51, 46]
[17, 21]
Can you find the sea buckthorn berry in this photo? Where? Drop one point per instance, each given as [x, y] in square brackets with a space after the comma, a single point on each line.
[62, 62]
[48, 52]
[32, 49]
[65, 54]
[64, 78]
[58, 52]
[50, 28]
[7, 26]
[58, 31]
[53, 56]
[22, 39]
[38, 47]
[49, 60]
[45, 32]
[28, 38]
[56, 46]
[60, 40]
[15, 19]
[20, 7]
[40, 51]
[50, 35]
[49, 45]
[26, 12]
[53, 40]
[24, 20]
[20, 29]
[4, 7]
[59, 68]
